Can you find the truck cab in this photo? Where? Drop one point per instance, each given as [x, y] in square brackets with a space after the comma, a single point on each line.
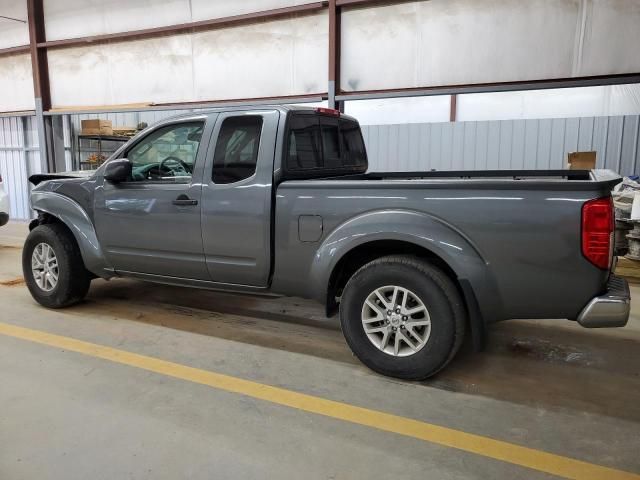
[198, 201]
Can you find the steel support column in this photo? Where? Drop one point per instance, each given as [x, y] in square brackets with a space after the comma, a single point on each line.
[334, 57]
[453, 107]
[40, 67]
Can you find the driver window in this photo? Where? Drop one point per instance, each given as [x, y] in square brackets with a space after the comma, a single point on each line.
[167, 154]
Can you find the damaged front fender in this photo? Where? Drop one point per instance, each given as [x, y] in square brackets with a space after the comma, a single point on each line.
[76, 219]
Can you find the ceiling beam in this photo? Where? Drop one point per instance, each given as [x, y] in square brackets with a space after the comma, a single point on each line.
[369, 3]
[15, 50]
[278, 100]
[492, 87]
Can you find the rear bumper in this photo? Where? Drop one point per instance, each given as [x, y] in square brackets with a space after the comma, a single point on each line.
[610, 309]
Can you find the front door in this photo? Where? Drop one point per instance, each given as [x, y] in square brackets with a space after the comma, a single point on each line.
[151, 223]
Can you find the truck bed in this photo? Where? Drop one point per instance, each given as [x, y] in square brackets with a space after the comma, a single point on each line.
[518, 233]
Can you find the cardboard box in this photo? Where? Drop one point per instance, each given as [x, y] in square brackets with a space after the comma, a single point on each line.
[96, 126]
[582, 160]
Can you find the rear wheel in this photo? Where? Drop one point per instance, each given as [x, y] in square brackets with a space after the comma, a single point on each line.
[402, 317]
[53, 268]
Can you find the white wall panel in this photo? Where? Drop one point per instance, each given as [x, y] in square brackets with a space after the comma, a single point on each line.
[79, 76]
[16, 83]
[78, 18]
[400, 110]
[447, 42]
[12, 33]
[283, 57]
[611, 38]
[157, 70]
[206, 9]
[553, 103]
[286, 57]
[141, 71]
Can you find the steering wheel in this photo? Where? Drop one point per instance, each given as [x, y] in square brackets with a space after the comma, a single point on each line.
[185, 166]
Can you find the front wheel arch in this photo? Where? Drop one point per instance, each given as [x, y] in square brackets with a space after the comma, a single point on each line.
[56, 207]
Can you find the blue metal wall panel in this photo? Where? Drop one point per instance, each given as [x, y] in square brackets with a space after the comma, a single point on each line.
[505, 144]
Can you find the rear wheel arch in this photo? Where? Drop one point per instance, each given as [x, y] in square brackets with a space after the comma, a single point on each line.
[358, 256]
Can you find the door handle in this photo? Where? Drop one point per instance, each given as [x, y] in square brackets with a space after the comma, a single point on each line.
[183, 200]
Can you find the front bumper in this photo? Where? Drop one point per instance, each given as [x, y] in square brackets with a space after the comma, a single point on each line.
[610, 309]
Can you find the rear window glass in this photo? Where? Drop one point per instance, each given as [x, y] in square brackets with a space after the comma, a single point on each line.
[354, 151]
[304, 143]
[331, 149]
[322, 142]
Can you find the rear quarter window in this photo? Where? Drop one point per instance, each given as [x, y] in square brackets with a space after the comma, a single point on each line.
[354, 153]
[304, 143]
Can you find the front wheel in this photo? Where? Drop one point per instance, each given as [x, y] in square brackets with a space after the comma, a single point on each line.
[402, 317]
[53, 268]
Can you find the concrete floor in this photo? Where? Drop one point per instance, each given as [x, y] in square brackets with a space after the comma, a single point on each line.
[547, 385]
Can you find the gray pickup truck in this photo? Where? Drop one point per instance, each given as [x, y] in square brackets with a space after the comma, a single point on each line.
[277, 200]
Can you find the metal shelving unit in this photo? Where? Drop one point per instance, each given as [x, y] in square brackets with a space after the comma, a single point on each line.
[93, 150]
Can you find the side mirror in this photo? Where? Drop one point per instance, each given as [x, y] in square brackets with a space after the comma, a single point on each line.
[118, 170]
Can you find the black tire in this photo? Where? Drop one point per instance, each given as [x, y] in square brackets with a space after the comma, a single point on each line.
[438, 293]
[73, 278]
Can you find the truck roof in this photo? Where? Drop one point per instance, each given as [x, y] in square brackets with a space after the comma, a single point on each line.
[241, 108]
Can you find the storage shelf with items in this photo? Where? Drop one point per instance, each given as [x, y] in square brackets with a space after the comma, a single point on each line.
[98, 140]
[93, 150]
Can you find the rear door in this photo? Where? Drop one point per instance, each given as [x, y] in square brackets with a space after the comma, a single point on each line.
[237, 196]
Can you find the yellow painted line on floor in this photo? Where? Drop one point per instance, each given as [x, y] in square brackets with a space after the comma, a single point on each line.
[468, 442]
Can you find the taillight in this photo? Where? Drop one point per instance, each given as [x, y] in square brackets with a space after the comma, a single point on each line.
[597, 231]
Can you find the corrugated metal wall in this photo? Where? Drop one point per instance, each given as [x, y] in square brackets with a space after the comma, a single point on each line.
[505, 144]
[19, 158]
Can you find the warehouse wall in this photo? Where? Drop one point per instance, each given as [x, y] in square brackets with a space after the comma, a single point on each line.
[600, 101]
[462, 42]
[16, 80]
[409, 44]
[16, 83]
[288, 56]
[19, 158]
[77, 18]
[506, 144]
